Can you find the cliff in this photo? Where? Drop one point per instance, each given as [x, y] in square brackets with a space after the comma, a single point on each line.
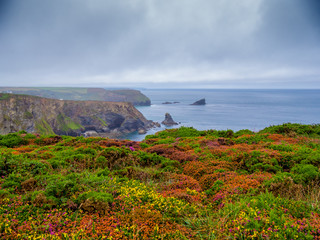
[66, 117]
[83, 94]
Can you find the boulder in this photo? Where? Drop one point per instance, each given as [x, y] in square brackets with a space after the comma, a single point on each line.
[142, 131]
[200, 102]
[91, 134]
[168, 121]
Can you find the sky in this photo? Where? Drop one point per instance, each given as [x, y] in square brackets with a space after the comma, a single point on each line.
[160, 43]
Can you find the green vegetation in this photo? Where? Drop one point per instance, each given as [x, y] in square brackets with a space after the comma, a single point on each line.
[176, 184]
[28, 115]
[43, 127]
[103, 122]
[65, 123]
[295, 129]
[4, 96]
[12, 140]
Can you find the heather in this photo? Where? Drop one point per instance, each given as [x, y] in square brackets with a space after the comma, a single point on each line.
[177, 184]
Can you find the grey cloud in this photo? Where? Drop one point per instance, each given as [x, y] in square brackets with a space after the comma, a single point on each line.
[136, 42]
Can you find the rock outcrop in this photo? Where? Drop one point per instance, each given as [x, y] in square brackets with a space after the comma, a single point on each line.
[200, 102]
[168, 121]
[170, 102]
[66, 117]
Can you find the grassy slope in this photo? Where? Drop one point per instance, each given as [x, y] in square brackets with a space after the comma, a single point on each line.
[177, 184]
[69, 93]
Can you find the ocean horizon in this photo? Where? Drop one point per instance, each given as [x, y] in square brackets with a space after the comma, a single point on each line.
[234, 109]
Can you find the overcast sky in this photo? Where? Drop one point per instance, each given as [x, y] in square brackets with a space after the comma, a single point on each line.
[160, 43]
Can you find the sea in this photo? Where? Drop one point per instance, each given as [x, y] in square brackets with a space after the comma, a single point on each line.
[233, 109]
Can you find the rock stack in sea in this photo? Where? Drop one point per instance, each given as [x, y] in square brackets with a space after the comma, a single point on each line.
[168, 121]
[200, 102]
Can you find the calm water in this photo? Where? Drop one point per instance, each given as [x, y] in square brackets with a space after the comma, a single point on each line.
[233, 109]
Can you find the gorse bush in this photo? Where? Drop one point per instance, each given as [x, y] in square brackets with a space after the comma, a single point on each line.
[177, 132]
[305, 173]
[295, 128]
[95, 197]
[12, 140]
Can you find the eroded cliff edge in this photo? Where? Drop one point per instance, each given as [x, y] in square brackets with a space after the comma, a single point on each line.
[67, 117]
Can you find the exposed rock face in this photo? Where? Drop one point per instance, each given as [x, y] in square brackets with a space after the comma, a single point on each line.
[168, 121]
[200, 102]
[65, 117]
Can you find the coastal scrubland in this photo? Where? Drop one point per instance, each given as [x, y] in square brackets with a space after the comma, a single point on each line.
[177, 184]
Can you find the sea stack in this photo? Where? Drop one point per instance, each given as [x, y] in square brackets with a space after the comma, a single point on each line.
[200, 102]
[168, 121]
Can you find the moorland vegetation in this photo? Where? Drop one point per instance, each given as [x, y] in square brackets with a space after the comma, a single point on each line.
[177, 184]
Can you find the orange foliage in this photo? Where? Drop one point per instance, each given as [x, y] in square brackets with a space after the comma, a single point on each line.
[184, 194]
[181, 181]
[172, 152]
[23, 149]
[278, 139]
[197, 169]
[119, 143]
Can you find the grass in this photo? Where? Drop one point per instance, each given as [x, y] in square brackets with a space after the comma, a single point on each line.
[66, 123]
[4, 96]
[43, 127]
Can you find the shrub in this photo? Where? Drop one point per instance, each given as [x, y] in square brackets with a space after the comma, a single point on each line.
[243, 132]
[35, 167]
[149, 159]
[220, 133]
[294, 128]
[252, 138]
[13, 181]
[177, 132]
[144, 145]
[215, 188]
[169, 165]
[62, 188]
[95, 196]
[305, 173]
[11, 140]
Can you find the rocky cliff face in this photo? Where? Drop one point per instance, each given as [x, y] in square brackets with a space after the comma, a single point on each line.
[66, 117]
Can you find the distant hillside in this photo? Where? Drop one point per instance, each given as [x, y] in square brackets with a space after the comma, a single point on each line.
[82, 94]
[66, 117]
